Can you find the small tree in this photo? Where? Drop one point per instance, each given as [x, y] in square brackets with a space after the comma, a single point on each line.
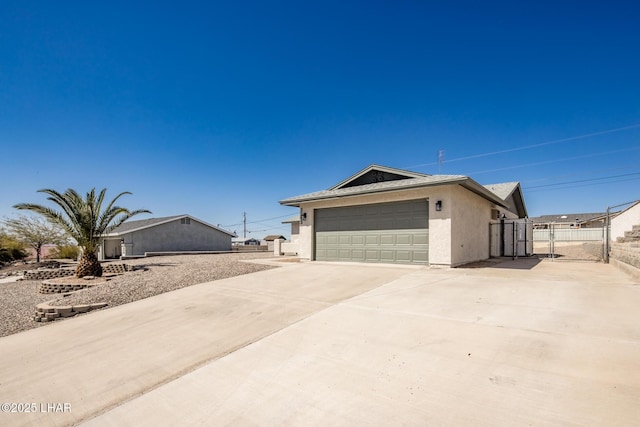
[35, 232]
[85, 220]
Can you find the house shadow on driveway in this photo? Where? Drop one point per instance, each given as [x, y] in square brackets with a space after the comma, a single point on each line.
[521, 263]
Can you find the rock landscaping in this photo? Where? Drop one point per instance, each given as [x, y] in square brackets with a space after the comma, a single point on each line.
[143, 278]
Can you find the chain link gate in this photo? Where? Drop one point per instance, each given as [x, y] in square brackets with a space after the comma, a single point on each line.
[561, 242]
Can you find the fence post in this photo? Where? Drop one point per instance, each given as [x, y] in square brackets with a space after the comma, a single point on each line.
[607, 237]
[552, 247]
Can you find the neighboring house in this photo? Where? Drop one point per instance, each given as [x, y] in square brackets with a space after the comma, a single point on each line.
[383, 214]
[181, 233]
[581, 220]
[295, 226]
[623, 222]
[268, 240]
[247, 241]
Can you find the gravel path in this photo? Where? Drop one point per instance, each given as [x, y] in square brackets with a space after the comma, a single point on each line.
[153, 276]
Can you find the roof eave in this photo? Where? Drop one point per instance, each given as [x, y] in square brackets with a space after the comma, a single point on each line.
[481, 191]
[298, 202]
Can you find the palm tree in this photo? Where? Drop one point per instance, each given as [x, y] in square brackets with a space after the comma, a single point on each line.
[85, 221]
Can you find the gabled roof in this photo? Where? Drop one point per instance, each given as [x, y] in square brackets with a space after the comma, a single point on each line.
[511, 193]
[376, 173]
[401, 180]
[503, 190]
[141, 224]
[272, 237]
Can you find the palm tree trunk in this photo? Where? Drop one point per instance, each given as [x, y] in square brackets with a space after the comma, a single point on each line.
[89, 265]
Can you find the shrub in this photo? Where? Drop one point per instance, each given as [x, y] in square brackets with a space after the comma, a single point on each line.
[5, 255]
[64, 252]
[11, 249]
[18, 253]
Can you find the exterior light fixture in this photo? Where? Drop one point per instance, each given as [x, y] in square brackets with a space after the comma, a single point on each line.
[303, 216]
[439, 205]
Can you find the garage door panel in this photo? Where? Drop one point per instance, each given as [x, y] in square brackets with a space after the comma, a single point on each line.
[421, 239]
[387, 256]
[421, 257]
[332, 253]
[357, 240]
[387, 239]
[344, 240]
[372, 255]
[371, 239]
[404, 239]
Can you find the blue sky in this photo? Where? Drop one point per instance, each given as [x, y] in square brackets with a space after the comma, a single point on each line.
[220, 108]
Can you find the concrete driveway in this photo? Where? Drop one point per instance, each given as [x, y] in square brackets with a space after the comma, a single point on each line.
[517, 343]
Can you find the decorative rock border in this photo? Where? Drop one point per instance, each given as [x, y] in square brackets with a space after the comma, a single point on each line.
[47, 287]
[47, 313]
[48, 274]
[113, 268]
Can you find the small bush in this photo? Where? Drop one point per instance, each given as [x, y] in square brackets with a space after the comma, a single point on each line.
[64, 252]
[5, 255]
[11, 249]
[18, 253]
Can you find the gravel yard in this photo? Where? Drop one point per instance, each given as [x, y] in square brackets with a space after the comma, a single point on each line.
[153, 276]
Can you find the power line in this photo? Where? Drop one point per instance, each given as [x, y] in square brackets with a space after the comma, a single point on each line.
[586, 180]
[625, 176]
[256, 221]
[589, 172]
[509, 150]
[554, 161]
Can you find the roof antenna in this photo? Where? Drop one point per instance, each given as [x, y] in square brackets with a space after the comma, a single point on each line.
[440, 160]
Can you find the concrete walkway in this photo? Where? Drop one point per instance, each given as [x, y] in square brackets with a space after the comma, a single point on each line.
[518, 343]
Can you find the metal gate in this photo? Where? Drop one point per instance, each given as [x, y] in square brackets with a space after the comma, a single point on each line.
[512, 238]
[560, 242]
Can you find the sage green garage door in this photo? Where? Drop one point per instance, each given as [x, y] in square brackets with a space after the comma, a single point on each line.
[385, 232]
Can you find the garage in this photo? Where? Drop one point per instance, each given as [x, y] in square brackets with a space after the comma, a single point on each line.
[387, 215]
[383, 232]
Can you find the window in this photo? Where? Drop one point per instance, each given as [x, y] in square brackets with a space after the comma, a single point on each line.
[185, 221]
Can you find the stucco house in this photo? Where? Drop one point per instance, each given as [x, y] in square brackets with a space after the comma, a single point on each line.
[180, 233]
[383, 214]
[268, 240]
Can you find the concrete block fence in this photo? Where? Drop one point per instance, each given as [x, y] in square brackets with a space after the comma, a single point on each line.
[626, 256]
[629, 253]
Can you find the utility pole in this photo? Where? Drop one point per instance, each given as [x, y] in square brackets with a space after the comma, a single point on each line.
[244, 225]
[440, 160]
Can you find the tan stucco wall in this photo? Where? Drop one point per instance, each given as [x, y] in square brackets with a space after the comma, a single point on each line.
[470, 236]
[466, 241]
